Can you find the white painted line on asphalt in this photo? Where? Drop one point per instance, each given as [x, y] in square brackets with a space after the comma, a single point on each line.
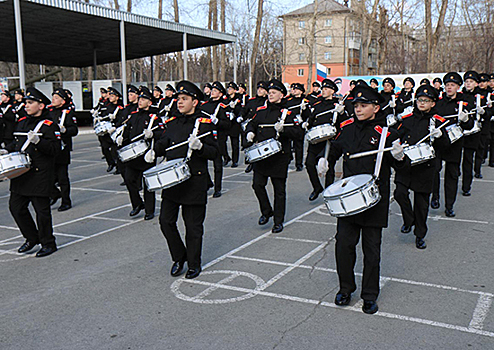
[112, 219]
[87, 161]
[5, 196]
[87, 166]
[249, 243]
[91, 216]
[238, 181]
[480, 313]
[345, 308]
[17, 229]
[92, 178]
[297, 239]
[232, 175]
[67, 235]
[438, 217]
[10, 239]
[211, 289]
[317, 222]
[97, 190]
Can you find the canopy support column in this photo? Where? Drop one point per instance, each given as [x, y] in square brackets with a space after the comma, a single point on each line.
[235, 62]
[20, 44]
[124, 62]
[184, 54]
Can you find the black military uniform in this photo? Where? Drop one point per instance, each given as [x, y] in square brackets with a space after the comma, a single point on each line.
[405, 98]
[372, 82]
[168, 105]
[157, 97]
[18, 105]
[110, 112]
[35, 186]
[312, 97]
[452, 154]
[485, 132]
[358, 136]
[234, 109]
[299, 106]
[8, 117]
[320, 115]
[207, 93]
[425, 81]
[139, 121]
[275, 166]
[471, 142]
[439, 89]
[387, 105]
[419, 177]
[217, 111]
[68, 129]
[349, 100]
[190, 195]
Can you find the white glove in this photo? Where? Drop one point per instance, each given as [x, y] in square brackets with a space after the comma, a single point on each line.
[251, 135]
[148, 134]
[463, 117]
[150, 156]
[167, 108]
[392, 104]
[303, 105]
[112, 130]
[339, 108]
[397, 151]
[63, 129]
[480, 110]
[3, 152]
[322, 166]
[231, 116]
[232, 104]
[436, 133]
[305, 125]
[112, 116]
[194, 143]
[240, 119]
[32, 137]
[214, 120]
[278, 127]
[92, 111]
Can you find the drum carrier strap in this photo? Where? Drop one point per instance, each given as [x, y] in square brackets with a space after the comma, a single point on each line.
[379, 159]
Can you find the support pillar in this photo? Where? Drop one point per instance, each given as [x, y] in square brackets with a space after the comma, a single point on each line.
[123, 62]
[20, 44]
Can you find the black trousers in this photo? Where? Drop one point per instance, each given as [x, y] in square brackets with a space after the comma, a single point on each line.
[133, 180]
[467, 169]
[121, 168]
[491, 149]
[39, 232]
[235, 143]
[222, 136]
[298, 147]
[451, 174]
[347, 238]
[259, 184]
[62, 177]
[310, 164]
[218, 172]
[417, 215]
[109, 149]
[481, 153]
[193, 216]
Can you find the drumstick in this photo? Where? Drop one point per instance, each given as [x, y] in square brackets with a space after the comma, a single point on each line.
[370, 153]
[456, 115]
[141, 135]
[272, 125]
[194, 133]
[25, 134]
[186, 142]
[36, 129]
[426, 137]
[62, 119]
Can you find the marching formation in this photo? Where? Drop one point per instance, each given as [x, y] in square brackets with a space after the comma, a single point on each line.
[163, 141]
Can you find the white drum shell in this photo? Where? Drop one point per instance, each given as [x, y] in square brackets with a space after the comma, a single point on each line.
[321, 133]
[391, 119]
[114, 135]
[474, 130]
[351, 195]
[132, 151]
[102, 128]
[13, 165]
[419, 153]
[455, 132]
[262, 150]
[166, 175]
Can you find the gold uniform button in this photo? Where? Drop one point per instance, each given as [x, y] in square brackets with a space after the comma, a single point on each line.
[198, 173]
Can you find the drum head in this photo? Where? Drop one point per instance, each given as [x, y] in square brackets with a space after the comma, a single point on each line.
[163, 166]
[347, 185]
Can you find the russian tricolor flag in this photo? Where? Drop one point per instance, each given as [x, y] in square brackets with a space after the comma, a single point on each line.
[321, 72]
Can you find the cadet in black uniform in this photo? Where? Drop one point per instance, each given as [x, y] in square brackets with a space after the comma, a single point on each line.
[419, 177]
[276, 165]
[190, 195]
[374, 84]
[215, 109]
[425, 81]
[157, 96]
[234, 103]
[19, 104]
[141, 122]
[405, 98]
[481, 153]
[357, 135]
[438, 86]
[64, 116]
[35, 186]
[449, 105]
[315, 93]
[319, 116]
[389, 105]
[8, 117]
[207, 91]
[168, 104]
[110, 112]
[299, 105]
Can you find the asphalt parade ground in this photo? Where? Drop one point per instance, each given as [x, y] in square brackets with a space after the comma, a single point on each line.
[109, 287]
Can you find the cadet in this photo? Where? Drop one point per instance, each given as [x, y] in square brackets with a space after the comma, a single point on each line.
[35, 186]
[299, 105]
[481, 153]
[8, 117]
[168, 104]
[315, 93]
[234, 103]
[405, 98]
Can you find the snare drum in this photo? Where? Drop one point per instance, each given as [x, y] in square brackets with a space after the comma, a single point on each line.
[455, 132]
[114, 135]
[132, 151]
[13, 165]
[351, 195]
[262, 150]
[321, 133]
[419, 153]
[474, 130]
[102, 128]
[167, 174]
[391, 119]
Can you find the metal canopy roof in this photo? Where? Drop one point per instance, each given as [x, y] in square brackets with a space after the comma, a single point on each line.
[64, 33]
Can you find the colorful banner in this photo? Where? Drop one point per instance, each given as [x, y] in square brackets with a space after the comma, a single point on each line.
[4, 84]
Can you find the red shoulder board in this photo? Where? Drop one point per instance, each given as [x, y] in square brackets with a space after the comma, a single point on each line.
[223, 105]
[407, 115]
[346, 122]
[66, 110]
[379, 129]
[204, 120]
[289, 112]
[290, 98]
[464, 103]
[134, 111]
[22, 119]
[349, 98]
[170, 119]
[251, 98]
[47, 122]
[317, 103]
[202, 104]
[261, 107]
[161, 99]
[438, 117]
[120, 107]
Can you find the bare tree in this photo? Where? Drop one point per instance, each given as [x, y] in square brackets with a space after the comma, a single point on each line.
[180, 62]
[214, 13]
[431, 37]
[255, 45]
[223, 29]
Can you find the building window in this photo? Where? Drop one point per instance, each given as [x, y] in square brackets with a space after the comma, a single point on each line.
[301, 56]
[301, 24]
[301, 41]
[327, 56]
[328, 22]
[300, 72]
[328, 39]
